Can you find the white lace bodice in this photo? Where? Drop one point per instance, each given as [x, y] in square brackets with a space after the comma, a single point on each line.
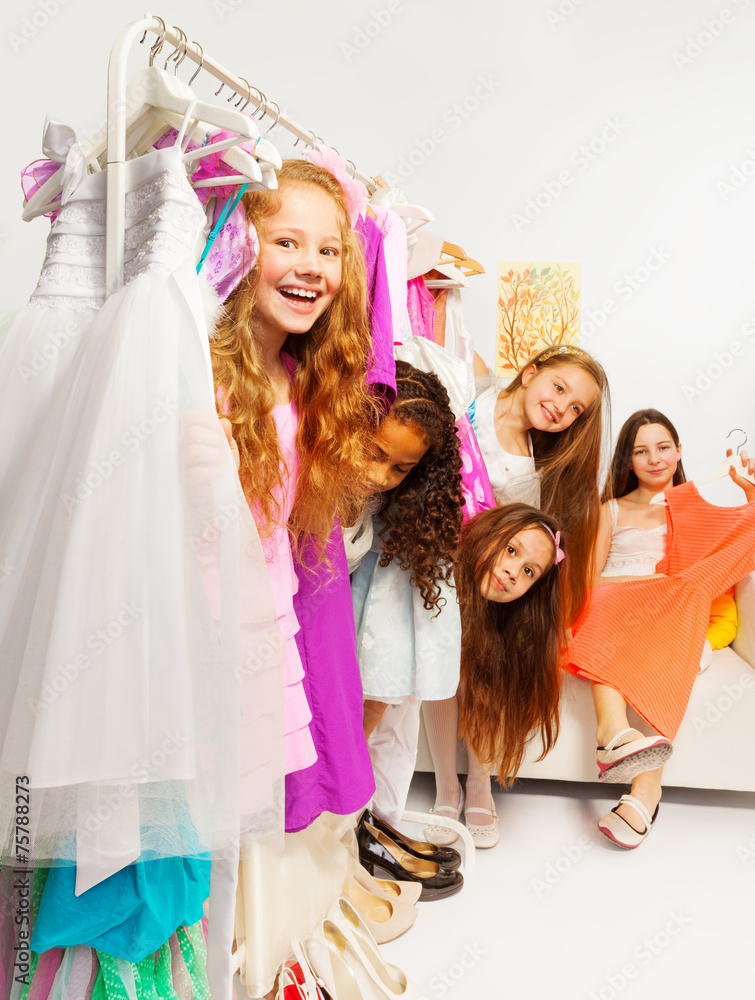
[634, 551]
[164, 222]
[512, 477]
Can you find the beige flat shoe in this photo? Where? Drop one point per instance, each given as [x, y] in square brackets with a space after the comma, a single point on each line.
[387, 919]
[617, 829]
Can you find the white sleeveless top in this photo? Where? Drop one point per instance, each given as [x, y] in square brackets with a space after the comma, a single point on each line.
[512, 477]
[634, 551]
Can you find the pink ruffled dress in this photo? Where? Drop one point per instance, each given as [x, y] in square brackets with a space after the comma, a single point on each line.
[299, 747]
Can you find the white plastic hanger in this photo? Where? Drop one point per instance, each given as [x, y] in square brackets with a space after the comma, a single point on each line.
[155, 93]
[721, 471]
[455, 277]
[414, 216]
[265, 154]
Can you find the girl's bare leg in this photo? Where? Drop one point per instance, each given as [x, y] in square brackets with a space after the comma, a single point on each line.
[647, 788]
[373, 713]
[610, 714]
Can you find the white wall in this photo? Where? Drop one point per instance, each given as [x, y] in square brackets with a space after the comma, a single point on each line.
[554, 74]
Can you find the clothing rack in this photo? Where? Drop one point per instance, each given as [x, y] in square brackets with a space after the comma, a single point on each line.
[116, 126]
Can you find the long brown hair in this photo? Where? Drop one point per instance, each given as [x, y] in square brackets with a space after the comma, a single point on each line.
[422, 515]
[569, 463]
[336, 411]
[510, 653]
[621, 479]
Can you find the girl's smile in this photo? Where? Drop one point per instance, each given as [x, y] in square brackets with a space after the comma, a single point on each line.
[523, 560]
[655, 457]
[300, 271]
[554, 397]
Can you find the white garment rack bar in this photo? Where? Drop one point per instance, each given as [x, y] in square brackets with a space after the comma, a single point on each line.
[115, 231]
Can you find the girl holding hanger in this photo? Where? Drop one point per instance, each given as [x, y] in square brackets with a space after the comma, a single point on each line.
[541, 439]
[640, 638]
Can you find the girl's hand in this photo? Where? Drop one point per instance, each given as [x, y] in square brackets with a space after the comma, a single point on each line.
[748, 464]
[206, 444]
[227, 426]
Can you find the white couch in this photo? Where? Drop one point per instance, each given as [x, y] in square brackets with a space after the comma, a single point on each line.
[714, 745]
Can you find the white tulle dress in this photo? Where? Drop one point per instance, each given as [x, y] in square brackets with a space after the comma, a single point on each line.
[142, 699]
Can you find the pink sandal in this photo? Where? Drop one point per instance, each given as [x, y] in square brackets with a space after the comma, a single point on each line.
[623, 763]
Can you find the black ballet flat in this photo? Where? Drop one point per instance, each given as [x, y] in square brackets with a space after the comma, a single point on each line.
[447, 857]
[379, 852]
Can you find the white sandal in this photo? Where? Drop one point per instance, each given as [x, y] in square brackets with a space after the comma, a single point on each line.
[621, 764]
[486, 835]
[617, 829]
[442, 835]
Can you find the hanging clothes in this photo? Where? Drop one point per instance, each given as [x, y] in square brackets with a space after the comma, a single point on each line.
[421, 307]
[382, 371]
[141, 582]
[395, 248]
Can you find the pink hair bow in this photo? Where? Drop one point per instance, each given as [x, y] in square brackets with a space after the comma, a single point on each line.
[560, 554]
[354, 191]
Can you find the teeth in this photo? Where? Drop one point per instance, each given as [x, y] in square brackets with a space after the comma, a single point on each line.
[301, 292]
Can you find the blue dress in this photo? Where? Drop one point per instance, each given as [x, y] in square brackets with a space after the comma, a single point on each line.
[402, 648]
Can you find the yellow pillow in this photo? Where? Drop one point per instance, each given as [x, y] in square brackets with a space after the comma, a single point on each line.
[723, 620]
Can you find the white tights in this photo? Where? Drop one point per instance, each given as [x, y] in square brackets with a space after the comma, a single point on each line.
[441, 725]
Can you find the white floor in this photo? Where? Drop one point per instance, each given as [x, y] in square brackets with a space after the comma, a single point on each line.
[556, 911]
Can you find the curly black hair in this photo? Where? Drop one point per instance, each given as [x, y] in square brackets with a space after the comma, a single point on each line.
[422, 515]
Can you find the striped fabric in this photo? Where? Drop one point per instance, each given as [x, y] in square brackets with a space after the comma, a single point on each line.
[644, 638]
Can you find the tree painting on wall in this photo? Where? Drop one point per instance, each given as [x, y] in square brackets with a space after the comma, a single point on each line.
[538, 305]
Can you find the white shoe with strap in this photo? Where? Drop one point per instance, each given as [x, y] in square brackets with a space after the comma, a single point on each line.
[617, 829]
[442, 835]
[487, 834]
[620, 762]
